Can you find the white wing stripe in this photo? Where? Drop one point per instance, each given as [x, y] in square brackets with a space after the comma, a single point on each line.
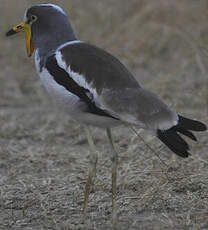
[78, 78]
[69, 43]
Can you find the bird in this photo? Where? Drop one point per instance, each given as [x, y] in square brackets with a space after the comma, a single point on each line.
[94, 88]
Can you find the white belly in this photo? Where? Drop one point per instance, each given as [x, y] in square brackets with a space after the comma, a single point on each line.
[58, 93]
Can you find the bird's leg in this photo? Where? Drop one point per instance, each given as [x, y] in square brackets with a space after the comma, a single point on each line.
[92, 171]
[114, 174]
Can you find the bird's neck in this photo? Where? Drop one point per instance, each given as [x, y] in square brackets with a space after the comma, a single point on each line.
[47, 42]
[49, 46]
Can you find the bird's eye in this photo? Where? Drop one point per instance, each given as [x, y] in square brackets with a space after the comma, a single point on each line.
[33, 18]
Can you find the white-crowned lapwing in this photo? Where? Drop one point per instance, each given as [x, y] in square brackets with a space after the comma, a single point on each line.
[95, 88]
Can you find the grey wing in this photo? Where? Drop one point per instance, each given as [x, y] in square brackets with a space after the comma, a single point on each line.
[114, 89]
[138, 106]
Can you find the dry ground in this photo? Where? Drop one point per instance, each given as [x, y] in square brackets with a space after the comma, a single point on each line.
[44, 155]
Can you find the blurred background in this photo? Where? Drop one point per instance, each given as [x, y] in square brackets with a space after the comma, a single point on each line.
[160, 41]
[164, 43]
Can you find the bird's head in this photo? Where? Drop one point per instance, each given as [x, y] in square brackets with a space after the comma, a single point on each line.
[43, 24]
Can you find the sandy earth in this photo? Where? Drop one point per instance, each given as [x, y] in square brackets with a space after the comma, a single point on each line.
[44, 155]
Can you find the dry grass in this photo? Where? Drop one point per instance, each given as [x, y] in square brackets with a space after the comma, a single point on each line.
[43, 154]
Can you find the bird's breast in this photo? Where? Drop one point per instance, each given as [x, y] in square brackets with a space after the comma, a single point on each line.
[61, 96]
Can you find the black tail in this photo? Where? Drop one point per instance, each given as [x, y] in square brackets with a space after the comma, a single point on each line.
[174, 141]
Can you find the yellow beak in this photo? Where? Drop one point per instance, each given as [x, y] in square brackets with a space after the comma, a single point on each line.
[28, 36]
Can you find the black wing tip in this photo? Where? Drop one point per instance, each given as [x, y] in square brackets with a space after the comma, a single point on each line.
[10, 33]
[190, 124]
[185, 154]
[174, 142]
[203, 127]
[185, 132]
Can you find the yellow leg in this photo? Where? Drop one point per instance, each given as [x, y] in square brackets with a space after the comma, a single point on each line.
[114, 174]
[92, 171]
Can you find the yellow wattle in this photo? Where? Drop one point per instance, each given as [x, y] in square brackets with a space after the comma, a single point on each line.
[28, 37]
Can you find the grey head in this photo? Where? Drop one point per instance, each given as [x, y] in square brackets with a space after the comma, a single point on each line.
[50, 27]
